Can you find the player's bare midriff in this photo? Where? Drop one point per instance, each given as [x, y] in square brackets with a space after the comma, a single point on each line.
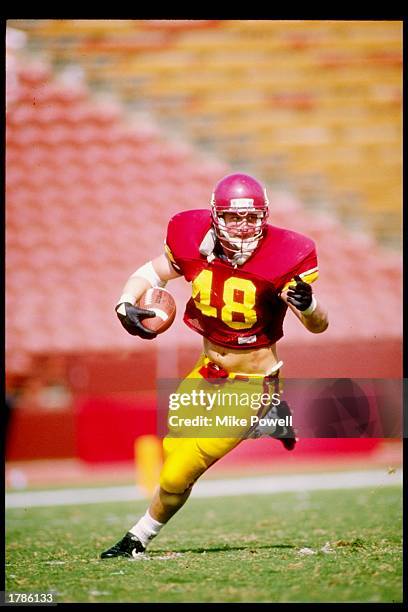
[249, 361]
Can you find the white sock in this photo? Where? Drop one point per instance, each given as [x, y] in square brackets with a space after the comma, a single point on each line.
[146, 528]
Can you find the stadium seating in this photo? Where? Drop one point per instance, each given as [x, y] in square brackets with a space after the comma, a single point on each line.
[89, 190]
[254, 89]
[88, 200]
[90, 187]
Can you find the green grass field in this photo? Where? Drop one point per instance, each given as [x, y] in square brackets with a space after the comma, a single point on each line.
[217, 550]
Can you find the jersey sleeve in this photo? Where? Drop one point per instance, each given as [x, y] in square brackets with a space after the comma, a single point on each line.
[171, 258]
[185, 232]
[307, 269]
[171, 245]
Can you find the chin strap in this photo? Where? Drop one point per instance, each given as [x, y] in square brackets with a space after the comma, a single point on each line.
[240, 257]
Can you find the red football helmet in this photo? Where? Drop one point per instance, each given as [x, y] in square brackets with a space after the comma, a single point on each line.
[239, 209]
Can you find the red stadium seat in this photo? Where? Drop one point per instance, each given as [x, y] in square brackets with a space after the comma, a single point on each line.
[69, 97]
[30, 136]
[35, 74]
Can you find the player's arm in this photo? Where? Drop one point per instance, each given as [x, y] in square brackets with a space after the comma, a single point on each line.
[154, 273]
[303, 303]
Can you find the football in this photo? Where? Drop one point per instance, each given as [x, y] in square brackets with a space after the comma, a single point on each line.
[162, 303]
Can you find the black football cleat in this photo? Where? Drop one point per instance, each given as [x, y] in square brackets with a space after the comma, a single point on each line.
[128, 546]
[284, 433]
[288, 443]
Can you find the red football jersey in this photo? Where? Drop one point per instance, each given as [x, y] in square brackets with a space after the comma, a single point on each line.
[238, 307]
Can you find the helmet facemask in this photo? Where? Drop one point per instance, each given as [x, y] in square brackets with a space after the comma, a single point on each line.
[239, 238]
[239, 210]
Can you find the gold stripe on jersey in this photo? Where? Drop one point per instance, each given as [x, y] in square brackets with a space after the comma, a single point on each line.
[171, 257]
[308, 277]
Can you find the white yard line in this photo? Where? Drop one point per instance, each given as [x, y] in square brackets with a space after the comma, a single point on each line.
[213, 488]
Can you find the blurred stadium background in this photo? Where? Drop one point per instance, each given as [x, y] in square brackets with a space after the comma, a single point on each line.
[112, 126]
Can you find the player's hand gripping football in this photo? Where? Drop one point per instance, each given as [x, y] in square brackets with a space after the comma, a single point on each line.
[131, 318]
[300, 295]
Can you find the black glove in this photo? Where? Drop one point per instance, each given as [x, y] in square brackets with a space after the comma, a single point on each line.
[132, 321]
[300, 295]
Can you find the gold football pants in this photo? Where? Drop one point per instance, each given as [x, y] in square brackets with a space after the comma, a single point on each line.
[187, 458]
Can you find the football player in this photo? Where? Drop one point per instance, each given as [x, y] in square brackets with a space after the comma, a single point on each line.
[245, 274]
